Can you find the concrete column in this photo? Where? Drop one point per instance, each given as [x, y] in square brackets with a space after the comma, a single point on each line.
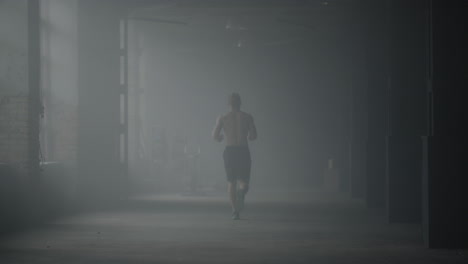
[377, 69]
[407, 97]
[358, 125]
[99, 128]
[34, 72]
[357, 146]
[358, 112]
[445, 214]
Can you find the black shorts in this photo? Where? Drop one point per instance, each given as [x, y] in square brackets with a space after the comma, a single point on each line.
[237, 163]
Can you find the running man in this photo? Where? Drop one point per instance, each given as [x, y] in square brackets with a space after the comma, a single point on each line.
[238, 128]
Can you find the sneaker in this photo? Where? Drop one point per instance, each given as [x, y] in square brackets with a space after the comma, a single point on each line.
[235, 216]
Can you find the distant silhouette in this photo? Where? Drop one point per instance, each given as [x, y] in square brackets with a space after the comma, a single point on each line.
[238, 128]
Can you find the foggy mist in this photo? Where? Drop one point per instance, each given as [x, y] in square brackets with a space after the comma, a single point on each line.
[344, 148]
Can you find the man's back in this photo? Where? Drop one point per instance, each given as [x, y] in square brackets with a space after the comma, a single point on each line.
[238, 127]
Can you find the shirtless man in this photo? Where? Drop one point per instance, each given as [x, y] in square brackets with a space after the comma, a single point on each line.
[238, 128]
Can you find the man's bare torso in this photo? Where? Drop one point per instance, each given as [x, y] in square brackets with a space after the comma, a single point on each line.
[238, 128]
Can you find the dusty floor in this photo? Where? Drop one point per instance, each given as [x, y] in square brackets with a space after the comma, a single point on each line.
[293, 228]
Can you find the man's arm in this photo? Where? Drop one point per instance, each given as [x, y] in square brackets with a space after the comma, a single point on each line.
[217, 130]
[252, 130]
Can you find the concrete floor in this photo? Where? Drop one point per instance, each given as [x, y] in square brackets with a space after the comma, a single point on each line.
[293, 228]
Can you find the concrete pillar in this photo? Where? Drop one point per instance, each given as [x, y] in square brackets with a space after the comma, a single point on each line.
[407, 121]
[445, 214]
[34, 104]
[99, 88]
[358, 112]
[357, 146]
[356, 128]
[377, 89]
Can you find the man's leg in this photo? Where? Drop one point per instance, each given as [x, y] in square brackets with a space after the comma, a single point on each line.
[245, 164]
[232, 182]
[243, 187]
[232, 194]
[232, 189]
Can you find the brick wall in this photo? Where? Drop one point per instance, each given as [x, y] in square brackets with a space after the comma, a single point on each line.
[13, 83]
[14, 129]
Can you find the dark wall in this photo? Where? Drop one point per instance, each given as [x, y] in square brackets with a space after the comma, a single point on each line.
[444, 198]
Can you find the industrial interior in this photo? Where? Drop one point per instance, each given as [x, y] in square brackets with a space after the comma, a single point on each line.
[110, 113]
